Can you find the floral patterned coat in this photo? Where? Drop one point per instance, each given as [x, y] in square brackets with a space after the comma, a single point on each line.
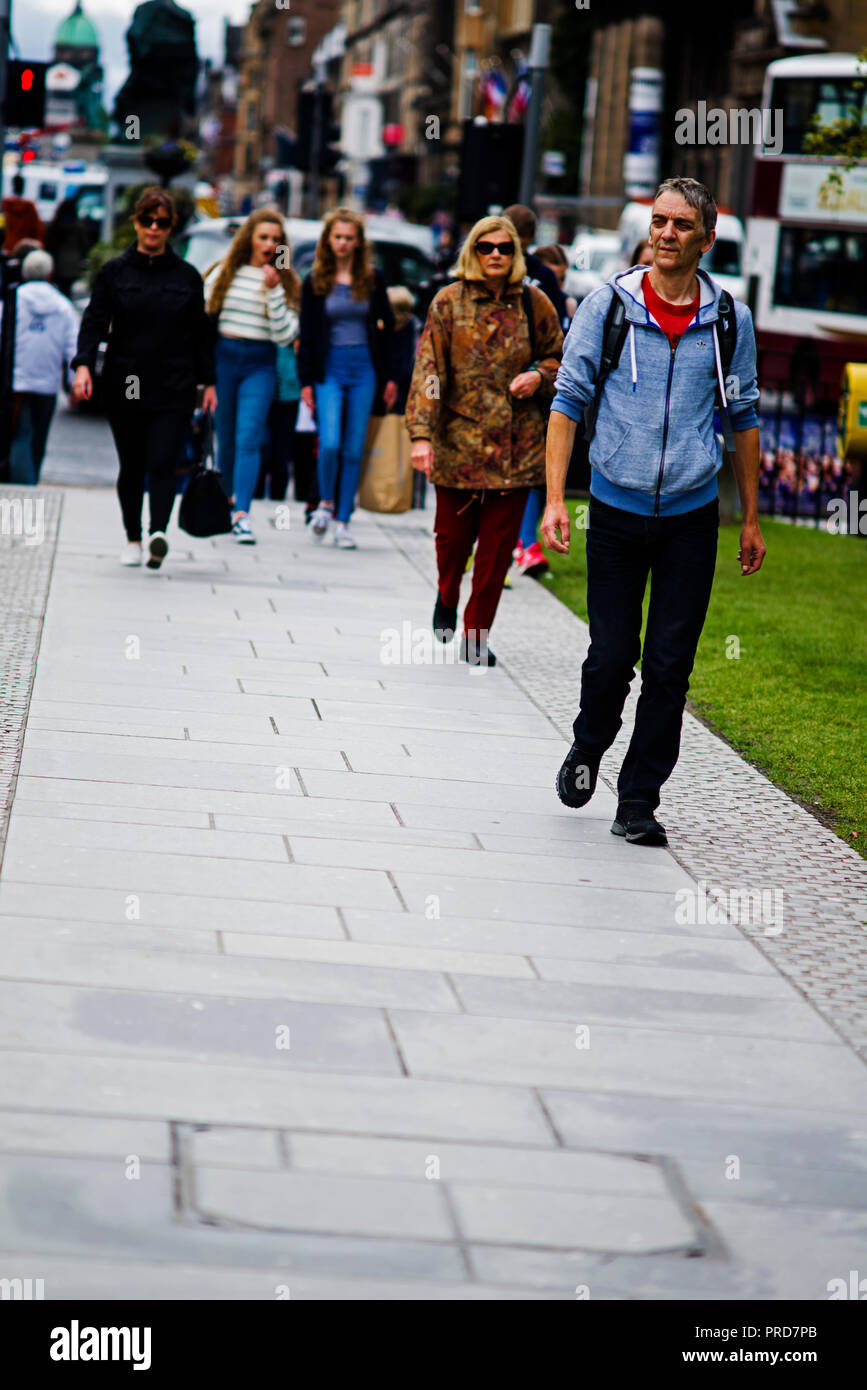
[472, 347]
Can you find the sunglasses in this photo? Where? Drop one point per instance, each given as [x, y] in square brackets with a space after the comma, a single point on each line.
[161, 222]
[486, 248]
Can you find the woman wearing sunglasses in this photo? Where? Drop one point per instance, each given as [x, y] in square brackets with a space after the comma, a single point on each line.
[474, 418]
[149, 305]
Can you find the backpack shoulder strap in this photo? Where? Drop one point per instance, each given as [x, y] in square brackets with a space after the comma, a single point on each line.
[614, 333]
[527, 301]
[727, 332]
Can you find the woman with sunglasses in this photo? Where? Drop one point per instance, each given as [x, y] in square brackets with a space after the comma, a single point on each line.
[473, 416]
[149, 305]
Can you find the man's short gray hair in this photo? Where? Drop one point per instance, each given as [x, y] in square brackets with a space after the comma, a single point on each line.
[697, 195]
[37, 265]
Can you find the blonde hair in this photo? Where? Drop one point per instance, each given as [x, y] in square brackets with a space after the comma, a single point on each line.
[468, 267]
[402, 302]
[240, 253]
[324, 271]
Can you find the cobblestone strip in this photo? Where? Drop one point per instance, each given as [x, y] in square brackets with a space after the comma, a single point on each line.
[729, 825]
[29, 521]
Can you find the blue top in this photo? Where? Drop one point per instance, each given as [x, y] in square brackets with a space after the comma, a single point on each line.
[655, 450]
[347, 318]
[288, 385]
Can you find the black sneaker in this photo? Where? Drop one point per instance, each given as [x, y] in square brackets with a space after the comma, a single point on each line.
[637, 824]
[576, 780]
[444, 621]
[476, 653]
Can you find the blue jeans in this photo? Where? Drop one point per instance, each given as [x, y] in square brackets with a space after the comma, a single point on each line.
[532, 512]
[246, 378]
[30, 436]
[343, 404]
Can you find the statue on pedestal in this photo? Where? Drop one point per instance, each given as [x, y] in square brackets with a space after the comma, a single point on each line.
[161, 88]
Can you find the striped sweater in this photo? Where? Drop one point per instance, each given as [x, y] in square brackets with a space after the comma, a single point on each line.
[250, 311]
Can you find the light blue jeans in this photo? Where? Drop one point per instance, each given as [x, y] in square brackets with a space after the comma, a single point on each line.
[246, 378]
[532, 512]
[343, 403]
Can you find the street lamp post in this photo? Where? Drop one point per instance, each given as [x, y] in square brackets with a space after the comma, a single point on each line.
[540, 49]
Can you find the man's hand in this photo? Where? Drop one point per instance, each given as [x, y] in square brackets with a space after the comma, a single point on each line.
[82, 385]
[525, 384]
[422, 456]
[752, 551]
[209, 399]
[555, 528]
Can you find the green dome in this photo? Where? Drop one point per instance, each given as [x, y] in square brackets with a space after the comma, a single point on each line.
[77, 31]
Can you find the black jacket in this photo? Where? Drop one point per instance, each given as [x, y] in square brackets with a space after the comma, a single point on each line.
[543, 277]
[313, 333]
[151, 309]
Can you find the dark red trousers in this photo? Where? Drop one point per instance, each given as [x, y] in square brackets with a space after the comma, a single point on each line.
[491, 516]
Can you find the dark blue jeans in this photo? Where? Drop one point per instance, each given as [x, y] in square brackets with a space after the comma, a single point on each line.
[343, 404]
[246, 379]
[679, 555]
[32, 414]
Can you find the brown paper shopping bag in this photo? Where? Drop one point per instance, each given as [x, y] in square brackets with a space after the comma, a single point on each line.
[386, 471]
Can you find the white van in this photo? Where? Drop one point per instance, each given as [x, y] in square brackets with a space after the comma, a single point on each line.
[724, 261]
[47, 184]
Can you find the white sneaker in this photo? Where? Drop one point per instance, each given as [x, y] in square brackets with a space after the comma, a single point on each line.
[243, 532]
[158, 549]
[320, 521]
[131, 553]
[343, 537]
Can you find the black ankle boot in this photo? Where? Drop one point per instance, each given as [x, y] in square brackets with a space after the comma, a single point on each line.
[444, 621]
[636, 823]
[476, 653]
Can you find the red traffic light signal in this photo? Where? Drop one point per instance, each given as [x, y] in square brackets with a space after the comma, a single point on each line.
[25, 95]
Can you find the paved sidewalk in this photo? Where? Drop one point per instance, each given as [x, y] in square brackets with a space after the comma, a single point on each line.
[309, 983]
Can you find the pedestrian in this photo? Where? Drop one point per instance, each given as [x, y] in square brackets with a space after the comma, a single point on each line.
[149, 305]
[67, 239]
[555, 258]
[252, 295]
[642, 253]
[305, 450]
[46, 333]
[277, 450]
[537, 273]
[475, 420]
[20, 218]
[404, 342]
[343, 362]
[653, 493]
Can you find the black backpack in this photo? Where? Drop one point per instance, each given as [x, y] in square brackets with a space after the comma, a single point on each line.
[614, 336]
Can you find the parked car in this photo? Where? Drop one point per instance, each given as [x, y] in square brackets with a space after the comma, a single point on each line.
[593, 256]
[403, 251]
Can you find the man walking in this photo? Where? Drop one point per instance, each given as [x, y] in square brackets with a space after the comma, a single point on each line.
[523, 219]
[653, 495]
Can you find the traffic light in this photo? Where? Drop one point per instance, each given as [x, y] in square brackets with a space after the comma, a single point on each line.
[25, 95]
[316, 130]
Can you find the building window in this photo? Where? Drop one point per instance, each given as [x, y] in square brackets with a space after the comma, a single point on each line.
[297, 31]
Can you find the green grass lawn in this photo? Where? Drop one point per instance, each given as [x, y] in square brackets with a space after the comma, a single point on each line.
[794, 701]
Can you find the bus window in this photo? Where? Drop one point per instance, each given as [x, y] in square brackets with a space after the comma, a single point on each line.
[822, 270]
[801, 98]
[47, 192]
[723, 258]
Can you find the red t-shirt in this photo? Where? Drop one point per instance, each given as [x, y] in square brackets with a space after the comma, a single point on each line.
[672, 318]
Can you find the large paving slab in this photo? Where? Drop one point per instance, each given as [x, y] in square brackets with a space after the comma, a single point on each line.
[308, 981]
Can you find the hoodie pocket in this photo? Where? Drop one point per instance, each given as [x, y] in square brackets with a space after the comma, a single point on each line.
[690, 464]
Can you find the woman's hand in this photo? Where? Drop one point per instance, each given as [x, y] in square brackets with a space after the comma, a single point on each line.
[389, 395]
[307, 398]
[422, 456]
[82, 385]
[209, 399]
[270, 276]
[525, 384]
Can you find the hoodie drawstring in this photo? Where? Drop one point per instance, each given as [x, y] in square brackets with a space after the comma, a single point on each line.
[632, 355]
[719, 374]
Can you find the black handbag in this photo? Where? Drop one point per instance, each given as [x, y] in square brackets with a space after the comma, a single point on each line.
[205, 509]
